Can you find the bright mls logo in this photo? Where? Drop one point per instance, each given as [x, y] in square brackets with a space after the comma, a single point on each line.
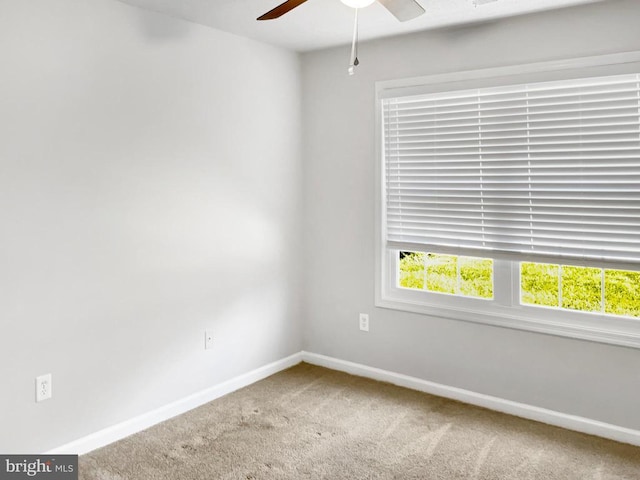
[58, 467]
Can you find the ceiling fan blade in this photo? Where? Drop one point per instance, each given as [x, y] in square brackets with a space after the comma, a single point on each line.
[281, 9]
[403, 10]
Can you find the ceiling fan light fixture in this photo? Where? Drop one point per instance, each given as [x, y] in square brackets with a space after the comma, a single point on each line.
[357, 3]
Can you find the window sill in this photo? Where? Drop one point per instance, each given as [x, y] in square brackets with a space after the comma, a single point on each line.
[620, 331]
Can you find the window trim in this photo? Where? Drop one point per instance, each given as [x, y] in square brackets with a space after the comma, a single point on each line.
[623, 331]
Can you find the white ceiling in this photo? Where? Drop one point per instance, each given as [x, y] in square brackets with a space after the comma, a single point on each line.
[323, 23]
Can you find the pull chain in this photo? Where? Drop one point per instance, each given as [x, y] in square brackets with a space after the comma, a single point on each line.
[354, 62]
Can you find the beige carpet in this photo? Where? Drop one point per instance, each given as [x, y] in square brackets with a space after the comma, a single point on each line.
[310, 423]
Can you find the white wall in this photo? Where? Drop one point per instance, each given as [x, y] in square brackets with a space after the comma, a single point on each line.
[592, 380]
[149, 189]
[150, 186]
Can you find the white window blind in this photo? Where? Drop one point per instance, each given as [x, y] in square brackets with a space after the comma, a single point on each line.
[548, 169]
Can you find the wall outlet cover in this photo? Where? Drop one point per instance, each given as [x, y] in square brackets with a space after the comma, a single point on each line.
[43, 387]
[364, 322]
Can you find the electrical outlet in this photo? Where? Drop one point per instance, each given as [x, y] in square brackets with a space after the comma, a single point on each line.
[208, 339]
[43, 387]
[364, 322]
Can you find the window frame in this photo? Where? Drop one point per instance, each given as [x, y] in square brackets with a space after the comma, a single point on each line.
[505, 309]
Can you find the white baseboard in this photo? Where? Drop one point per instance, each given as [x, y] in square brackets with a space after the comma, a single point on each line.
[146, 420]
[550, 417]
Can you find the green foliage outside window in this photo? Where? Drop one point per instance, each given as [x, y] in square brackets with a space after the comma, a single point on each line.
[543, 284]
[476, 277]
[468, 276]
[412, 270]
[622, 292]
[580, 288]
[539, 284]
[442, 273]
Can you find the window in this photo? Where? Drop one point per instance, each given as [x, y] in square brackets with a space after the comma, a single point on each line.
[585, 289]
[449, 274]
[503, 196]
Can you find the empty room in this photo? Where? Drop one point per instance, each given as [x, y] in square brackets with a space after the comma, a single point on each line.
[321, 239]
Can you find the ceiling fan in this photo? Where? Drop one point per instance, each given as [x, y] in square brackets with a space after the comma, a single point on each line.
[403, 10]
